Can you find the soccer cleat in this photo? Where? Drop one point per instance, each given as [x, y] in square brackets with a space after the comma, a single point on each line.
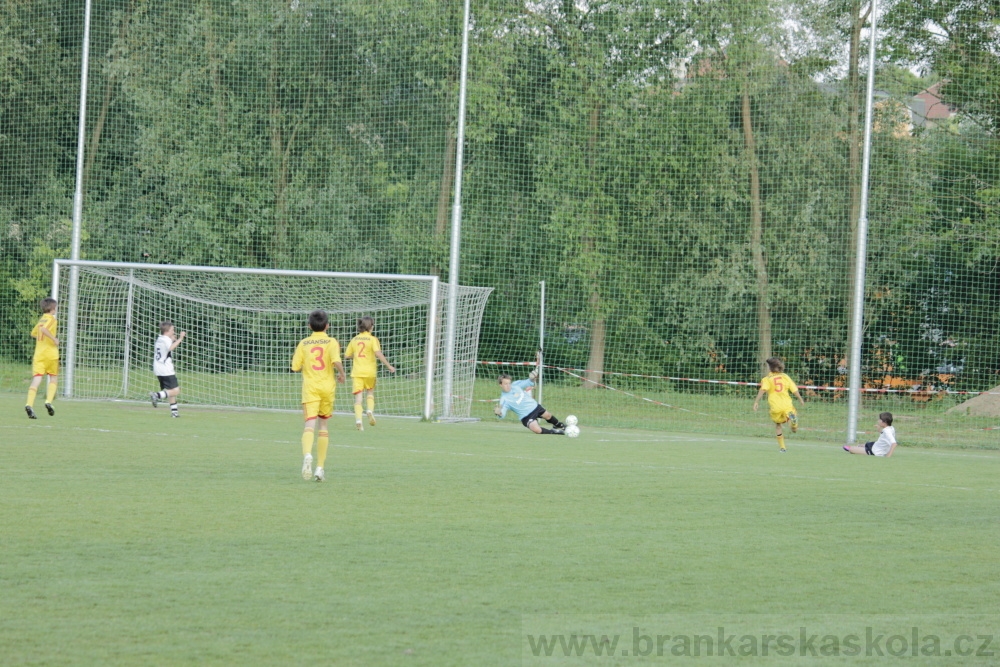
[154, 398]
[782, 450]
[847, 449]
[794, 419]
[358, 425]
[320, 475]
[307, 467]
[560, 426]
[50, 410]
[559, 431]
[175, 415]
[31, 413]
[371, 418]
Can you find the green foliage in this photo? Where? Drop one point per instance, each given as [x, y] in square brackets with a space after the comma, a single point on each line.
[605, 154]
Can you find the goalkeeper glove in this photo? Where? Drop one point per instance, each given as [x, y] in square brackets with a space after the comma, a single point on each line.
[533, 375]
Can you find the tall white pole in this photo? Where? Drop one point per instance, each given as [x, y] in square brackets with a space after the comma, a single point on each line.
[860, 260]
[456, 227]
[127, 351]
[74, 272]
[432, 324]
[541, 341]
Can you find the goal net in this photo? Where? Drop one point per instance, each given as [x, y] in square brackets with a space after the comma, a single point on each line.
[242, 328]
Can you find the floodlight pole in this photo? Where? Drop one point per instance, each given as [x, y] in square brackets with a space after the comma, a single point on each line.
[860, 259]
[74, 272]
[541, 342]
[456, 228]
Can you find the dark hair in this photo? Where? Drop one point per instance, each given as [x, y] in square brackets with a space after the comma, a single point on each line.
[365, 324]
[165, 326]
[503, 376]
[47, 304]
[318, 320]
[775, 364]
[886, 418]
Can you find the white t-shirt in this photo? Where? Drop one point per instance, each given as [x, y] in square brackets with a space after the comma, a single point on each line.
[163, 362]
[884, 442]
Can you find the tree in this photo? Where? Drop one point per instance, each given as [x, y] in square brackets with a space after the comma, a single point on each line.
[601, 54]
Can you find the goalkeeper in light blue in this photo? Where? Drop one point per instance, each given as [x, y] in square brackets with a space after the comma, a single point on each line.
[514, 396]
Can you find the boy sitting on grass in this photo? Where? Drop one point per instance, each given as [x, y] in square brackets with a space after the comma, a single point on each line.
[886, 443]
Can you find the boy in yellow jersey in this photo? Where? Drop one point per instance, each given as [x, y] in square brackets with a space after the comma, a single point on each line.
[316, 357]
[777, 386]
[46, 358]
[364, 349]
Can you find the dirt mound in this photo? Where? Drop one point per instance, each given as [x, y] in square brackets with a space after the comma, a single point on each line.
[986, 404]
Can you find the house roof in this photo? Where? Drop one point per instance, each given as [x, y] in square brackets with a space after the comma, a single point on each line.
[934, 108]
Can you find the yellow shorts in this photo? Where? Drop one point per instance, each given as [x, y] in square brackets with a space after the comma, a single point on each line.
[45, 366]
[781, 416]
[360, 384]
[317, 403]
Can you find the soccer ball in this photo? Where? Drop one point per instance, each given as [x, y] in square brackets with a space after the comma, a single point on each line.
[572, 430]
[570, 420]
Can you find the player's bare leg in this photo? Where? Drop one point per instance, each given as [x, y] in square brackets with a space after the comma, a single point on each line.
[854, 449]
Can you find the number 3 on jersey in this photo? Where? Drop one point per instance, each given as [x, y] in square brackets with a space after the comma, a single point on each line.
[320, 364]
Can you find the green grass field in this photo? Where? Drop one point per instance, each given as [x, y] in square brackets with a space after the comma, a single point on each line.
[697, 409]
[130, 538]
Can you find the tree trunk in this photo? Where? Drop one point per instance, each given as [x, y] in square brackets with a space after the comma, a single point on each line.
[214, 69]
[102, 117]
[595, 364]
[280, 166]
[95, 134]
[757, 235]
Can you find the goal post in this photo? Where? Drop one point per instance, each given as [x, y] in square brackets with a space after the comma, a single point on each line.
[243, 325]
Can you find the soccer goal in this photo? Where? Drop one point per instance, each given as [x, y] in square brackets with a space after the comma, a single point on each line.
[243, 325]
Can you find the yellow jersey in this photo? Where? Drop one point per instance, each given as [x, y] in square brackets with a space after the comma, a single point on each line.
[315, 357]
[362, 349]
[778, 386]
[44, 347]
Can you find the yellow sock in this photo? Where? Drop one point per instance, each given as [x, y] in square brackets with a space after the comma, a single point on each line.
[371, 404]
[781, 441]
[357, 411]
[321, 444]
[307, 441]
[31, 396]
[50, 392]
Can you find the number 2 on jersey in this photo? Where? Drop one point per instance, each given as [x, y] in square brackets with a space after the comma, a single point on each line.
[361, 350]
